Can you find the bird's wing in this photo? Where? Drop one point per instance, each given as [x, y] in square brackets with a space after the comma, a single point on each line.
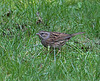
[56, 36]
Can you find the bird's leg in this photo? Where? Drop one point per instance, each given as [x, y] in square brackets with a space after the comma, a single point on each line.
[54, 54]
[58, 51]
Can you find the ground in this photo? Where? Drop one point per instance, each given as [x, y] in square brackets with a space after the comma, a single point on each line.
[23, 57]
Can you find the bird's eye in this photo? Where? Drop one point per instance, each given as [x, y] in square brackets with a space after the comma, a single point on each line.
[42, 33]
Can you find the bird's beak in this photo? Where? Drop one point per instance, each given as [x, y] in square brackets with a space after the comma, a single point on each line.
[37, 33]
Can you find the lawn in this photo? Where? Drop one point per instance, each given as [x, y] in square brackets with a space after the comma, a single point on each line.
[23, 57]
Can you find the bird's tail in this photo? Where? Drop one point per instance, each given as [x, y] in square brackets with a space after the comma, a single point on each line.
[77, 33]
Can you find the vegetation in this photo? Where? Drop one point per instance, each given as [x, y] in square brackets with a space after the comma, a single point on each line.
[23, 57]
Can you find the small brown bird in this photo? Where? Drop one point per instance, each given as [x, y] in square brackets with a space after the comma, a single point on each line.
[54, 39]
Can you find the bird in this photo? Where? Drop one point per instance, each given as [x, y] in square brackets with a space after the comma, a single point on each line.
[55, 39]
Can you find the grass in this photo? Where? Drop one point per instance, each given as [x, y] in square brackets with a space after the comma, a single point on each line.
[23, 58]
